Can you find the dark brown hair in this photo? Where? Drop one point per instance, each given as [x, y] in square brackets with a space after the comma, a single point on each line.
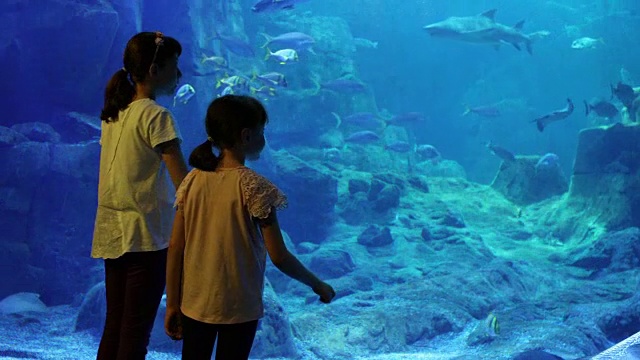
[226, 117]
[141, 52]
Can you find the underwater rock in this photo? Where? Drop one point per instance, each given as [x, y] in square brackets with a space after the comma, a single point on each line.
[345, 286]
[36, 36]
[355, 209]
[37, 131]
[388, 198]
[437, 232]
[375, 187]
[621, 322]
[374, 236]
[75, 127]
[426, 234]
[606, 174]
[10, 137]
[14, 259]
[358, 185]
[419, 182]
[307, 247]
[392, 179]
[25, 164]
[49, 215]
[20, 303]
[615, 251]
[76, 160]
[92, 312]
[521, 182]
[536, 354]
[15, 200]
[453, 219]
[331, 264]
[309, 213]
[274, 337]
[444, 168]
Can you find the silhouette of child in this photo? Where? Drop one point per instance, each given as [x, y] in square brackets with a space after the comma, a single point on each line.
[225, 225]
[140, 141]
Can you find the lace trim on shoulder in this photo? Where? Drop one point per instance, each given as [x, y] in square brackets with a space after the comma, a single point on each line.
[260, 194]
[182, 189]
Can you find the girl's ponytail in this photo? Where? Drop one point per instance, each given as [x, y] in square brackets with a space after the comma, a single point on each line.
[203, 158]
[117, 96]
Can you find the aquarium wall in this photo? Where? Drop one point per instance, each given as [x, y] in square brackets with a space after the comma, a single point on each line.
[464, 173]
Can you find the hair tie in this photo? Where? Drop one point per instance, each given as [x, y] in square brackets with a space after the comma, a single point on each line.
[209, 139]
[159, 38]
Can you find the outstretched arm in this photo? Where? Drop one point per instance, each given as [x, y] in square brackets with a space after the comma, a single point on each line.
[287, 262]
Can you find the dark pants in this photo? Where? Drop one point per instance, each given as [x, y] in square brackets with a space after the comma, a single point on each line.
[134, 283]
[234, 340]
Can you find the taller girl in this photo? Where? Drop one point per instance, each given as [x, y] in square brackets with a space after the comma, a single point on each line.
[140, 144]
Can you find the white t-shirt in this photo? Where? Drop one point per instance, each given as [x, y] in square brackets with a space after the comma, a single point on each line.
[134, 190]
[224, 256]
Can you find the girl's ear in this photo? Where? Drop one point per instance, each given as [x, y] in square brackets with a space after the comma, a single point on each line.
[245, 136]
[153, 70]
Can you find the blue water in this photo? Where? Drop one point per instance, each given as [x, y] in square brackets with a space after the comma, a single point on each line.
[557, 265]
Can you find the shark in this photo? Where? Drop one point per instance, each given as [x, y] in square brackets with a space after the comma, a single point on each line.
[483, 29]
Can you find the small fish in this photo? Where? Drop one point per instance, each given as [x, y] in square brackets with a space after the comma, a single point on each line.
[217, 61]
[292, 40]
[265, 91]
[554, 116]
[184, 93]
[547, 162]
[602, 108]
[398, 146]
[501, 152]
[271, 79]
[283, 56]
[407, 118]
[586, 43]
[489, 111]
[365, 43]
[235, 81]
[624, 93]
[274, 5]
[362, 119]
[228, 90]
[363, 137]
[428, 152]
[539, 35]
[492, 325]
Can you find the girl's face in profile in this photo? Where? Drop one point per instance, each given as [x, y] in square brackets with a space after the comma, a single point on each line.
[168, 76]
[255, 143]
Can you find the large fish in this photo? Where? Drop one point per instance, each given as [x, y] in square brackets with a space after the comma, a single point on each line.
[553, 116]
[601, 108]
[275, 5]
[481, 29]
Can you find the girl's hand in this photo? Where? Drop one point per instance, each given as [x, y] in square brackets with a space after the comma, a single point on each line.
[173, 323]
[325, 291]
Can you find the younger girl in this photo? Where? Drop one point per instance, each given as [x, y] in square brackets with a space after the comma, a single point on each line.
[225, 224]
[139, 143]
